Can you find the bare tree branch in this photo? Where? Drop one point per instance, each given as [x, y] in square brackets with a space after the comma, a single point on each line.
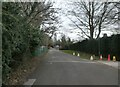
[92, 16]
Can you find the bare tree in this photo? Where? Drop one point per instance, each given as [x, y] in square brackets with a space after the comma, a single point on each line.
[40, 13]
[116, 17]
[35, 13]
[92, 17]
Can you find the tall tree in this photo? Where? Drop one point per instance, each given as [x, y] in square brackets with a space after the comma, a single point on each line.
[92, 17]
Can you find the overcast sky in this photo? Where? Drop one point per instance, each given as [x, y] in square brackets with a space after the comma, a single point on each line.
[66, 28]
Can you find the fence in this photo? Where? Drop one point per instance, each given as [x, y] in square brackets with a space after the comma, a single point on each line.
[40, 50]
[104, 46]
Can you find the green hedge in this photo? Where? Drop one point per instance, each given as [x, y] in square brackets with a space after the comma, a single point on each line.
[19, 39]
[106, 45]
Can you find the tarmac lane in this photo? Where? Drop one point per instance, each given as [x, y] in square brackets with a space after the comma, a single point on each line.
[59, 68]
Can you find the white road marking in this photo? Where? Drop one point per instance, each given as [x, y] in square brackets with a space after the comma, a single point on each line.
[30, 82]
[84, 59]
[72, 61]
[113, 64]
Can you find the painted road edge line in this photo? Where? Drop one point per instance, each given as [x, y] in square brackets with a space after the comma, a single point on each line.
[71, 62]
[30, 82]
[117, 67]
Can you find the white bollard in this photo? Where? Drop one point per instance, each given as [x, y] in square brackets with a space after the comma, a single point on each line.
[78, 54]
[73, 53]
[100, 57]
[114, 58]
[91, 58]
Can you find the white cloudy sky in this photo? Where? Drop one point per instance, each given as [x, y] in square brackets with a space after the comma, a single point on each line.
[66, 29]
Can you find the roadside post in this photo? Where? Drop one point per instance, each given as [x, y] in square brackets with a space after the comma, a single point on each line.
[91, 58]
[73, 53]
[101, 57]
[108, 57]
[114, 58]
[78, 54]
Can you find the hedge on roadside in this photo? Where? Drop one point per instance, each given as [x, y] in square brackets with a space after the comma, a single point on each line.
[19, 39]
[105, 45]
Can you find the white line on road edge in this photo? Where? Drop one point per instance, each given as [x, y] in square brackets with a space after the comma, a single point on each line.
[30, 82]
[72, 61]
[112, 64]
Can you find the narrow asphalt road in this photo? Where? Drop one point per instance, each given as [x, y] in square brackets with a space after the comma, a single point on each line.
[59, 68]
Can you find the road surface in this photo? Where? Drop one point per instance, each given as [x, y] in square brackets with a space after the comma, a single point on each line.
[59, 68]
